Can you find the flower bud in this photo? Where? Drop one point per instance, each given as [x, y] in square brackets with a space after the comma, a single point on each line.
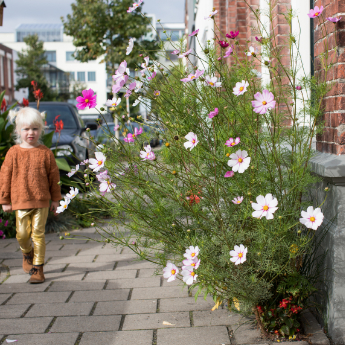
[92, 224]
[206, 51]
[59, 183]
[87, 184]
[158, 20]
[101, 109]
[176, 137]
[174, 172]
[298, 87]
[228, 154]
[326, 189]
[108, 240]
[67, 234]
[249, 193]
[61, 237]
[167, 144]
[85, 175]
[87, 129]
[173, 224]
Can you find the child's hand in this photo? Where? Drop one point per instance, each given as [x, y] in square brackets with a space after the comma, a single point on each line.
[53, 206]
[7, 208]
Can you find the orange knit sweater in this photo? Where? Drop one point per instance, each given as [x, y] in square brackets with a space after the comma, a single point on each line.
[29, 178]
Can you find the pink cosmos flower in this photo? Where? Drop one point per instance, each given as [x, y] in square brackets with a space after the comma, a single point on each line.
[116, 127]
[191, 253]
[144, 65]
[192, 76]
[152, 76]
[73, 171]
[96, 164]
[223, 44]
[210, 16]
[192, 141]
[135, 5]
[129, 138]
[130, 46]
[185, 54]
[313, 13]
[105, 182]
[231, 142]
[120, 71]
[191, 264]
[137, 131]
[228, 52]
[84, 162]
[237, 200]
[333, 19]
[176, 52]
[88, 100]
[213, 113]
[147, 154]
[157, 93]
[233, 34]
[194, 33]
[239, 161]
[312, 219]
[131, 87]
[212, 81]
[251, 52]
[119, 84]
[170, 272]
[113, 102]
[238, 254]
[263, 102]
[229, 174]
[265, 206]
[240, 88]
[189, 276]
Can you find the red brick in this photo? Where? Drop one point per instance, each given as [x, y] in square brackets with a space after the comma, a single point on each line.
[338, 149]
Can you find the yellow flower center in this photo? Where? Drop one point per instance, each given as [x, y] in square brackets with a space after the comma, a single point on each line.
[316, 13]
[192, 77]
[264, 102]
[157, 93]
[86, 100]
[240, 160]
[238, 201]
[265, 208]
[193, 141]
[232, 144]
[114, 104]
[241, 88]
[108, 182]
[173, 272]
[135, 5]
[99, 162]
[192, 255]
[252, 53]
[312, 219]
[211, 83]
[192, 274]
[193, 264]
[240, 255]
[64, 206]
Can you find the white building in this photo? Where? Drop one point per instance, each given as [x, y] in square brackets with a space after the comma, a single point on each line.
[59, 50]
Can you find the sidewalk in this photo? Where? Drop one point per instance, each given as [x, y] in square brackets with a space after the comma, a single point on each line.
[95, 294]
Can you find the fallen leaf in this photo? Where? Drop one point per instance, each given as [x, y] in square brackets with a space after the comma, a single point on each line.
[10, 341]
[218, 303]
[166, 323]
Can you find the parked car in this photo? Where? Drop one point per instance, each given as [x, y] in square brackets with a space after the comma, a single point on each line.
[73, 139]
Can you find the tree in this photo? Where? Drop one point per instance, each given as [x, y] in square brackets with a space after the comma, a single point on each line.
[29, 67]
[103, 27]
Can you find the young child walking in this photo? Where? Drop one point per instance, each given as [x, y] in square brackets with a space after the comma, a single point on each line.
[29, 179]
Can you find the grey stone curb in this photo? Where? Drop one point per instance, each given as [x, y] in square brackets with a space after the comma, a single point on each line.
[311, 326]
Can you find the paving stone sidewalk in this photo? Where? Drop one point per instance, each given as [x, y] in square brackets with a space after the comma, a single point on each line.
[96, 294]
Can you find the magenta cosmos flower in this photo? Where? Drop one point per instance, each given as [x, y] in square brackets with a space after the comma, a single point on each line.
[152, 76]
[88, 100]
[333, 19]
[135, 5]
[263, 102]
[232, 34]
[213, 113]
[194, 33]
[231, 142]
[223, 44]
[240, 88]
[239, 161]
[313, 13]
[229, 174]
[192, 77]
[129, 138]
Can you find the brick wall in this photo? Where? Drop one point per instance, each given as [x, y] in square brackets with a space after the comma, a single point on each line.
[332, 140]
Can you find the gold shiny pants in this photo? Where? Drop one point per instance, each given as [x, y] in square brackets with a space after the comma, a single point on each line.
[31, 223]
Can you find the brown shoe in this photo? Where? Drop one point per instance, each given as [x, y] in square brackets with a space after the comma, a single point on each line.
[27, 261]
[37, 276]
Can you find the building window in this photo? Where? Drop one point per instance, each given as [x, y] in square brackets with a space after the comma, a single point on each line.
[71, 76]
[81, 76]
[91, 76]
[163, 35]
[175, 35]
[2, 71]
[69, 56]
[50, 56]
[9, 73]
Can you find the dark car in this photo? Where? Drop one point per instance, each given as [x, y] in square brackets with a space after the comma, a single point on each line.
[73, 139]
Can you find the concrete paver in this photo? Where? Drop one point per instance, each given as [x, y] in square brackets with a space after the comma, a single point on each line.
[3, 297]
[60, 309]
[219, 317]
[118, 338]
[126, 307]
[134, 283]
[32, 325]
[45, 339]
[11, 288]
[39, 297]
[12, 311]
[103, 295]
[185, 304]
[158, 292]
[76, 286]
[102, 275]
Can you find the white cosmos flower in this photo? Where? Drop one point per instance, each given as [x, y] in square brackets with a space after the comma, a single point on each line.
[237, 200]
[191, 253]
[170, 272]
[191, 264]
[189, 276]
[98, 163]
[130, 46]
[238, 254]
[312, 219]
[64, 205]
[137, 101]
[113, 102]
[138, 86]
[73, 171]
[265, 206]
[72, 193]
[212, 81]
[239, 161]
[240, 88]
[252, 51]
[147, 154]
[192, 141]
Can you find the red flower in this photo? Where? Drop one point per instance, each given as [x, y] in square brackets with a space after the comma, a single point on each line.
[58, 124]
[25, 102]
[3, 105]
[284, 303]
[223, 44]
[272, 311]
[232, 34]
[34, 84]
[276, 331]
[295, 309]
[194, 198]
[259, 308]
[38, 94]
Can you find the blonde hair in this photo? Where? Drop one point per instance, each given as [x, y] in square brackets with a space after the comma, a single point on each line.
[26, 116]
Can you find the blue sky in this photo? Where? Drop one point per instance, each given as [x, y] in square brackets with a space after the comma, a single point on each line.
[49, 11]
